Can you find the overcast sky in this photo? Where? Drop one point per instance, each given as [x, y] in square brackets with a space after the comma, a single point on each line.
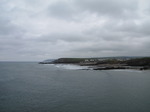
[36, 30]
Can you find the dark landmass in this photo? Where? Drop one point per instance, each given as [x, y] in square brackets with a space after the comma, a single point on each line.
[69, 60]
[48, 61]
[106, 63]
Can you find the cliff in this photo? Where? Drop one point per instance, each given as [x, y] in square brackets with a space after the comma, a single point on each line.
[105, 63]
[68, 60]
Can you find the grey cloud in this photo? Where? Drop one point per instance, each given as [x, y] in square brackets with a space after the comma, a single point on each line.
[81, 28]
[133, 29]
[62, 9]
[111, 8]
[66, 37]
[108, 7]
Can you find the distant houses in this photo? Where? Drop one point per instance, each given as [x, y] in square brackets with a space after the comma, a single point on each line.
[92, 61]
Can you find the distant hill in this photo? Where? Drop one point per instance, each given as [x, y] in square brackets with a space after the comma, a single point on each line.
[139, 62]
[106, 63]
[129, 60]
[69, 60]
[48, 61]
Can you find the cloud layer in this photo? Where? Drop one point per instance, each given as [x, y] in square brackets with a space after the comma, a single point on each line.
[37, 30]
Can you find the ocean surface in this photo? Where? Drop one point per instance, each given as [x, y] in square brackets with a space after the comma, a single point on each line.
[33, 87]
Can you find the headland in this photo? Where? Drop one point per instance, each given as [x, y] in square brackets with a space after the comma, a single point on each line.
[106, 63]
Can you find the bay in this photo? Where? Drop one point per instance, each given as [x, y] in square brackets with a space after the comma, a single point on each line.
[32, 87]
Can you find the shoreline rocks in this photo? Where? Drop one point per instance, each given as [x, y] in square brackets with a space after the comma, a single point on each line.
[107, 64]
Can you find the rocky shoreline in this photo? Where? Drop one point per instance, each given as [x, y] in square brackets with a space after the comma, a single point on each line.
[105, 64]
[120, 67]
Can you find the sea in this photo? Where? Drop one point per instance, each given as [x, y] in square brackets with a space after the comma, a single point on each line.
[33, 87]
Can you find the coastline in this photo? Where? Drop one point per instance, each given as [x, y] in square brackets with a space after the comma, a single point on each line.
[105, 64]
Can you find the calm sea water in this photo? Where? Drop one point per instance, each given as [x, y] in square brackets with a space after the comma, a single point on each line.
[31, 87]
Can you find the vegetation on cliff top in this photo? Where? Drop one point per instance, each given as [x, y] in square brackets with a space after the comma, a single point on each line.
[130, 62]
[145, 61]
[69, 60]
[139, 62]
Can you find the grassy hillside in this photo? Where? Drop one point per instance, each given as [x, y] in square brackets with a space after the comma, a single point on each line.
[139, 62]
[69, 60]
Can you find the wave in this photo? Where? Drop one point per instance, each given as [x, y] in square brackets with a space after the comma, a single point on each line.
[71, 67]
[127, 70]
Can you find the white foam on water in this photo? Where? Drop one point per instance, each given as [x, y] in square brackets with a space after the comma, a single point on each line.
[71, 66]
[127, 70]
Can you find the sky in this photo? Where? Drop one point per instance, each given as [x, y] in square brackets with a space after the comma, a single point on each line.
[35, 30]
